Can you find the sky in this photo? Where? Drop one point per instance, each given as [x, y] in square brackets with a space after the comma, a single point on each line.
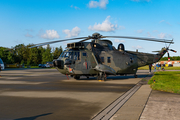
[37, 21]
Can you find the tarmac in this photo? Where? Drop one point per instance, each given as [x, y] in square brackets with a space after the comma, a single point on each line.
[29, 96]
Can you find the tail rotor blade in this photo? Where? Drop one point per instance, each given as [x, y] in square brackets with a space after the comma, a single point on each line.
[168, 56]
[172, 50]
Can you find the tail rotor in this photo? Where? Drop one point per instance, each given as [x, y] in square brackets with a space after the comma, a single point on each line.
[168, 53]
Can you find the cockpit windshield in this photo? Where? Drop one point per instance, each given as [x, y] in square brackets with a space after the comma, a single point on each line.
[62, 54]
[70, 55]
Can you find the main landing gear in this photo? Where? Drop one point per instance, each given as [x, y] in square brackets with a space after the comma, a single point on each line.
[101, 76]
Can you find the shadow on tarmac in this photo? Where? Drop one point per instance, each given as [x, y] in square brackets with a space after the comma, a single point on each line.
[33, 118]
[114, 77]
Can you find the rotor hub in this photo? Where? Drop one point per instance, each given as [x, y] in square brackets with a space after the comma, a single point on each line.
[96, 36]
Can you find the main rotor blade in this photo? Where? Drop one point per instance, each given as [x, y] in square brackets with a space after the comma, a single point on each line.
[85, 39]
[140, 38]
[46, 43]
[155, 51]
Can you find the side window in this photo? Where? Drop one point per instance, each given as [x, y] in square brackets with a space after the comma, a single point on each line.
[71, 55]
[66, 55]
[84, 53]
[75, 56]
[108, 59]
[78, 55]
[131, 60]
[102, 59]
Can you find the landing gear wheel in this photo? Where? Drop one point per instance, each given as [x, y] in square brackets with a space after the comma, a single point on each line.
[104, 77]
[135, 76]
[98, 77]
[101, 76]
[76, 77]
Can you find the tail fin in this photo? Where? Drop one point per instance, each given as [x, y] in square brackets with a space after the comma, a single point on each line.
[160, 54]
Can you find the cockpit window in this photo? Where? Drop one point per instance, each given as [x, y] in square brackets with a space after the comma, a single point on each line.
[76, 56]
[71, 55]
[68, 54]
[110, 47]
[62, 54]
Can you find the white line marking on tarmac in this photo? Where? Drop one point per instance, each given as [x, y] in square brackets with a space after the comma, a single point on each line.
[109, 111]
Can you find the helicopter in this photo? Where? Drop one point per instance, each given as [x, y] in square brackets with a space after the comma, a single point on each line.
[100, 58]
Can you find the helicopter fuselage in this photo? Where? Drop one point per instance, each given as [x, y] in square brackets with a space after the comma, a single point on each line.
[100, 57]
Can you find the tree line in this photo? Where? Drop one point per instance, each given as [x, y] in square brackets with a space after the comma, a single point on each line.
[171, 58]
[29, 56]
[39, 55]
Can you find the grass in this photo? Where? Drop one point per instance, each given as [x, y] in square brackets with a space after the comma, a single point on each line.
[168, 81]
[166, 68]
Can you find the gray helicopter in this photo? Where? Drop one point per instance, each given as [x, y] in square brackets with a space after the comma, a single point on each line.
[100, 58]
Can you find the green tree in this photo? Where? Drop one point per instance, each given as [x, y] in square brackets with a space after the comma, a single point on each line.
[47, 55]
[171, 58]
[33, 56]
[61, 50]
[57, 52]
[3, 54]
[10, 58]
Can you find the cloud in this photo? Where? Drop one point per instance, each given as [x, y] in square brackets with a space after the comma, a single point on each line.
[137, 47]
[119, 41]
[155, 31]
[165, 35]
[141, 0]
[149, 34]
[50, 34]
[163, 21]
[75, 7]
[140, 31]
[106, 26]
[162, 35]
[29, 30]
[121, 27]
[28, 35]
[101, 4]
[73, 33]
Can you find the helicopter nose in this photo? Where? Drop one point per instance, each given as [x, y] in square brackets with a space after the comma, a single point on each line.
[58, 63]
